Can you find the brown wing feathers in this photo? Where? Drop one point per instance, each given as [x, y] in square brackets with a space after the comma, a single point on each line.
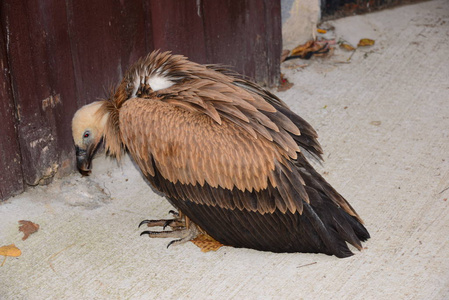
[226, 153]
[193, 148]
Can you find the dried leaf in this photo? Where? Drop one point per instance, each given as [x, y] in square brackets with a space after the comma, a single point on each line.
[307, 50]
[347, 47]
[27, 227]
[321, 30]
[206, 243]
[284, 55]
[284, 84]
[301, 49]
[365, 42]
[10, 250]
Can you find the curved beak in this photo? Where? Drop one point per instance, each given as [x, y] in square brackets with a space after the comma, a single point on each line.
[84, 159]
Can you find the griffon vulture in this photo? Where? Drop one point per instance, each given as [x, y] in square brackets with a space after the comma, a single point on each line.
[225, 152]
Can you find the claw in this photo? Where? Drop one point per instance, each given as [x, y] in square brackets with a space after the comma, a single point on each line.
[174, 213]
[174, 223]
[172, 242]
[167, 223]
[144, 222]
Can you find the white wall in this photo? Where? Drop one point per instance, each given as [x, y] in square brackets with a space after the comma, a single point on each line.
[299, 21]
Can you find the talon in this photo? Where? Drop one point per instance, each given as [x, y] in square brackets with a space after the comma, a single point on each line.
[145, 232]
[167, 223]
[144, 222]
[174, 213]
[171, 243]
[174, 223]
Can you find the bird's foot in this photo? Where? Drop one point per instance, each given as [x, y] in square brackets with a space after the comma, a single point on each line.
[178, 222]
[164, 223]
[182, 230]
[182, 235]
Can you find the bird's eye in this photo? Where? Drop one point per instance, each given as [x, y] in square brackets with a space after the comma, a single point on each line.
[86, 134]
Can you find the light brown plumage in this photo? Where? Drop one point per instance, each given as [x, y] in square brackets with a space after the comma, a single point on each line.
[194, 149]
[226, 153]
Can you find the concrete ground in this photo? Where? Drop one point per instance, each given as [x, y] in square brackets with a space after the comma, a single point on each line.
[383, 120]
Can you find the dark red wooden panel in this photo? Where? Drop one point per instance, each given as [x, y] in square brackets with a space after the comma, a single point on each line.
[61, 104]
[11, 180]
[178, 26]
[106, 37]
[273, 40]
[30, 76]
[63, 55]
[225, 21]
[239, 33]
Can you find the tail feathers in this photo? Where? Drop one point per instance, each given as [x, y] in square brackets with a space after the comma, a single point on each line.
[331, 239]
[358, 228]
[334, 225]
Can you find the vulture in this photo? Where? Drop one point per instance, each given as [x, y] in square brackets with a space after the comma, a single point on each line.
[225, 152]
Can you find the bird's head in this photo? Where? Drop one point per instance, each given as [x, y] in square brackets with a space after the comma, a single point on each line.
[87, 128]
